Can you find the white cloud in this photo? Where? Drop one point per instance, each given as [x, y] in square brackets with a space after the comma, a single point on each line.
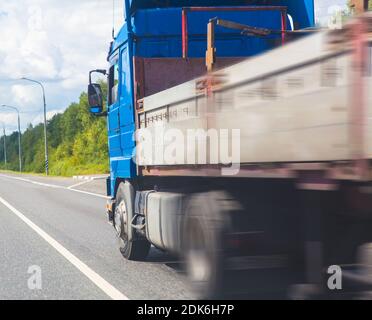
[24, 95]
[40, 118]
[325, 9]
[10, 120]
[54, 41]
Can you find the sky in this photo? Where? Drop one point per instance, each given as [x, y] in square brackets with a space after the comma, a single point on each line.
[56, 42]
[326, 8]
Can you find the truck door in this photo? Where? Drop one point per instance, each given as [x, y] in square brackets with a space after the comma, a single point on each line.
[113, 108]
[121, 116]
[127, 119]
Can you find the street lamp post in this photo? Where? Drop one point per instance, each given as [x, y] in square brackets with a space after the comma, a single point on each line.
[19, 134]
[45, 125]
[5, 159]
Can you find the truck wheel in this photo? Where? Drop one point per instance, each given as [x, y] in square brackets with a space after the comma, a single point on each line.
[130, 247]
[205, 227]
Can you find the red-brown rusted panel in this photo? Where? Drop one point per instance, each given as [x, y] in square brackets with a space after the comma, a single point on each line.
[358, 105]
[163, 73]
[139, 80]
[247, 171]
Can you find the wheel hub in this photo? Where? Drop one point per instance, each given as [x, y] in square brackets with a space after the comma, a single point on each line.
[199, 269]
[120, 219]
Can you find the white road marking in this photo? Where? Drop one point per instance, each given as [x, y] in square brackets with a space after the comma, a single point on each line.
[86, 192]
[33, 182]
[90, 193]
[57, 186]
[89, 177]
[82, 178]
[79, 184]
[101, 283]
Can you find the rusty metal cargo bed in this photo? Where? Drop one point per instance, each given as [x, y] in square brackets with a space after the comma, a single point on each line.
[304, 106]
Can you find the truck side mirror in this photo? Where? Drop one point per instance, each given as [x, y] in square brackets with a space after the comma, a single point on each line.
[95, 98]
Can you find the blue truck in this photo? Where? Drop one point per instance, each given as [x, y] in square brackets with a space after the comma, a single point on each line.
[207, 65]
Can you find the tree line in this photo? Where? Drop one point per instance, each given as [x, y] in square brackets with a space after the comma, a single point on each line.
[77, 143]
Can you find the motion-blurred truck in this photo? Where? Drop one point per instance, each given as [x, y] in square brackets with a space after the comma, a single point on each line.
[240, 139]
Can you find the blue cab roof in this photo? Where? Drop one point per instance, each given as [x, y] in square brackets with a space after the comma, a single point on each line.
[144, 4]
[298, 7]
[301, 10]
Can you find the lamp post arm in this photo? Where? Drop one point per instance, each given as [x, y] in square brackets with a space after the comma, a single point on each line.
[45, 124]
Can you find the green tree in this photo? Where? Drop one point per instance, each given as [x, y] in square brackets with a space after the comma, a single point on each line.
[77, 143]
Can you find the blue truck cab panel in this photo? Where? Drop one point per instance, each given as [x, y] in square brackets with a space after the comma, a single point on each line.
[154, 30]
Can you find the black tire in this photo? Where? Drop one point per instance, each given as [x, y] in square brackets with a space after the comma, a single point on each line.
[131, 246]
[206, 224]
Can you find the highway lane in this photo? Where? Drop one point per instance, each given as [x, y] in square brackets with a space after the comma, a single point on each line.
[77, 223]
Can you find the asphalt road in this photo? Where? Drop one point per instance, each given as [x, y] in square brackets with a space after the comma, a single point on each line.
[56, 243]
